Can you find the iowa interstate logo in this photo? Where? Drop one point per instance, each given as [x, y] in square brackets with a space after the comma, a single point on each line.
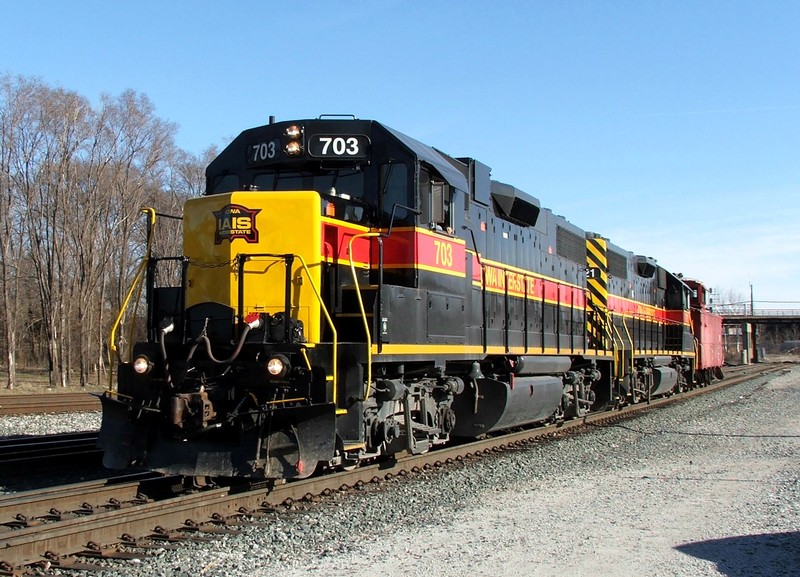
[236, 221]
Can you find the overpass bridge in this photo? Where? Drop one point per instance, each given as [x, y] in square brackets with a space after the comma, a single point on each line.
[762, 316]
[750, 332]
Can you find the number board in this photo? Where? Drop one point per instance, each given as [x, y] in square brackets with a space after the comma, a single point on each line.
[341, 146]
[265, 151]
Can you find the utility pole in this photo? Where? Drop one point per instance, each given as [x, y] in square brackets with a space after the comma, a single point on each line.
[755, 326]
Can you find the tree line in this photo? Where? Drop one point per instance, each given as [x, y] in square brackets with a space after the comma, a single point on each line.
[73, 180]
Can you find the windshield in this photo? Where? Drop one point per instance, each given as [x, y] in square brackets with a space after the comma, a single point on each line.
[349, 183]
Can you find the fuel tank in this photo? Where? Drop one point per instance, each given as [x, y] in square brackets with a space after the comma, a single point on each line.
[495, 405]
[664, 380]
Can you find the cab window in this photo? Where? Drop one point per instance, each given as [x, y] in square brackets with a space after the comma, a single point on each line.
[440, 206]
[226, 183]
[393, 184]
[435, 199]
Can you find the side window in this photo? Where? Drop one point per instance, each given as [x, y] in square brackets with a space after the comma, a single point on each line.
[676, 297]
[435, 198]
[440, 206]
[395, 191]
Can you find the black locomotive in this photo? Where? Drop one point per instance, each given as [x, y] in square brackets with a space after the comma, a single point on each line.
[347, 292]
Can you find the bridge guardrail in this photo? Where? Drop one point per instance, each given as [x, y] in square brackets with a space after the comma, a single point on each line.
[760, 313]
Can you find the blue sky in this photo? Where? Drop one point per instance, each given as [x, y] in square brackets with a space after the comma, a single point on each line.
[672, 128]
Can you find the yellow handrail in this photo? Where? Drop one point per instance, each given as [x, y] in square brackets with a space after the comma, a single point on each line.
[614, 333]
[136, 286]
[633, 348]
[361, 306]
[334, 360]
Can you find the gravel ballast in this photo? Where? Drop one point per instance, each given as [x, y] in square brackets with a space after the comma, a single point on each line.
[48, 424]
[707, 487]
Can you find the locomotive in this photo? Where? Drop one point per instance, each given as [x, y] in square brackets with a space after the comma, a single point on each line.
[347, 292]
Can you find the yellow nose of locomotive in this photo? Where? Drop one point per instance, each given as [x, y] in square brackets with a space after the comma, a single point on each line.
[238, 245]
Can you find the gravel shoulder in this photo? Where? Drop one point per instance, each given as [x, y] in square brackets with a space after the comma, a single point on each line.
[709, 487]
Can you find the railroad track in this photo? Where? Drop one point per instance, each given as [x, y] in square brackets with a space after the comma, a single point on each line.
[42, 449]
[31, 508]
[22, 404]
[150, 511]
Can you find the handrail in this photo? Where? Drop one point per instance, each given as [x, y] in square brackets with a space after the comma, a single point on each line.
[136, 285]
[335, 357]
[361, 305]
[698, 347]
[633, 347]
[587, 304]
[601, 312]
[614, 333]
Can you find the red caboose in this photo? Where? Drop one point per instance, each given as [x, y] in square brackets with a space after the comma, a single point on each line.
[707, 329]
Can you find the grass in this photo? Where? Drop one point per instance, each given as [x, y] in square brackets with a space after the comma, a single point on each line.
[36, 381]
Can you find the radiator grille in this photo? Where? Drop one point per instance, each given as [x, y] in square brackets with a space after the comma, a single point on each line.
[571, 246]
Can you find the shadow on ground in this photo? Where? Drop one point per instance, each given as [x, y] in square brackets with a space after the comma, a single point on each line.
[770, 554]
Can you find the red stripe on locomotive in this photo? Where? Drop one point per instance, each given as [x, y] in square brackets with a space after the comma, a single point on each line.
[414, 247]
[336, 243]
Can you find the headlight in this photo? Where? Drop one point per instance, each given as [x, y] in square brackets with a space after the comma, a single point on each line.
[293, 148]
[278, 366]
[142, 365]
[293, 132]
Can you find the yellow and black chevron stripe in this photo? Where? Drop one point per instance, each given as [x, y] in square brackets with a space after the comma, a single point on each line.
[597, 284]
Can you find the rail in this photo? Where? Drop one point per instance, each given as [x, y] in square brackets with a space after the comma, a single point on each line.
[26, 404]
[41, 449]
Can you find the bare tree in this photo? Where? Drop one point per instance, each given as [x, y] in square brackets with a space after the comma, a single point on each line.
[53, 164]
[73, 181]
[730, 301]
[12, 92]
[144, 152]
